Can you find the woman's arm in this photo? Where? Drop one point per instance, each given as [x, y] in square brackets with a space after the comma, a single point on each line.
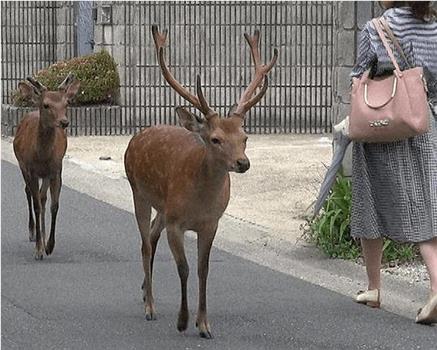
[366, 54]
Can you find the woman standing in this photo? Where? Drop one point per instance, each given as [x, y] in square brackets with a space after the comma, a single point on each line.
[394, 191]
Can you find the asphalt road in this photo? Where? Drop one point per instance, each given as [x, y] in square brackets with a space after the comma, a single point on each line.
[87, 294]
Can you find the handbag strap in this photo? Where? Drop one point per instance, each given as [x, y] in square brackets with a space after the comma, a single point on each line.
[394, 40]
[386, 45]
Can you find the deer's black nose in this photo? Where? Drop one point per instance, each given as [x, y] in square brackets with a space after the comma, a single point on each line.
[64, 123]
[243, 165]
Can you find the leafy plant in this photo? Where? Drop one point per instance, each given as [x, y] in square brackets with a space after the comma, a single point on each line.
[98, 75]
[394, 252]
[331, 229]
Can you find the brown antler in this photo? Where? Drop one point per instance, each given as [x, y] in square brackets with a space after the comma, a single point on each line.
[198, 101]
[261, 70]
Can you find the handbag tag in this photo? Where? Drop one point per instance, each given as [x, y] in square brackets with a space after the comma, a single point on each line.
[379, 123]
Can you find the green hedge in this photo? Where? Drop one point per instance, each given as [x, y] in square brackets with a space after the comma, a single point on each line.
[98, 74]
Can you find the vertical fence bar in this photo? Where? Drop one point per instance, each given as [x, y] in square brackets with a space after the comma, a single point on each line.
[126, 101]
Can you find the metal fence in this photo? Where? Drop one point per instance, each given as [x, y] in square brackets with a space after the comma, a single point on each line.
[30, 39]
[205, 38]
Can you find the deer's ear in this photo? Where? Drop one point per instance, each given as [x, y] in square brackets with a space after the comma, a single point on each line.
[72, 89]
[188, 120]
[29, 92]
[232, 109]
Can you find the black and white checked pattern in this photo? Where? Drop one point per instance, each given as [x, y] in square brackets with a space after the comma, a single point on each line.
[394, 190]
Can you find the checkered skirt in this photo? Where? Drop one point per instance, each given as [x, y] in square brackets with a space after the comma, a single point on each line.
[394, 188]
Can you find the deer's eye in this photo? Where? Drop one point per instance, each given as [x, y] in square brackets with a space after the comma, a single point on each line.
[45, 106]
[216, 141]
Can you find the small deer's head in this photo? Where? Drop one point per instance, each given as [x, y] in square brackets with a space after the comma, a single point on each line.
[224, 137]
[52, 104]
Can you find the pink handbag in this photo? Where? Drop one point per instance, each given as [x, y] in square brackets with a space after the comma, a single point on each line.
[391, 108]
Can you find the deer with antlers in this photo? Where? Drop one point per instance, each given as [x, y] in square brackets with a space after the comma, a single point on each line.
[39, 145]
[183, 173]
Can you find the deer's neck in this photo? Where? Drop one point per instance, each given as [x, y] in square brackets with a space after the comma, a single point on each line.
[45, 141]
[214, 175]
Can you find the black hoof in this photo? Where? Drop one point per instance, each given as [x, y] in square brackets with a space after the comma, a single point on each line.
[182, 322]
[49, 248]
[182, 328]
[150, 317]
[206, 335]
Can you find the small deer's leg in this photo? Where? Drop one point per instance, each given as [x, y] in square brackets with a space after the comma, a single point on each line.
[155, 234]
[34, 189]
[142, 213]
[204, 243]
[31, 221]
[43, 196]
[55, 191]
[175, 238]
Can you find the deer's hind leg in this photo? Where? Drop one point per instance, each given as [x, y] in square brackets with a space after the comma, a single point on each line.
[143, 211]
[156, 229]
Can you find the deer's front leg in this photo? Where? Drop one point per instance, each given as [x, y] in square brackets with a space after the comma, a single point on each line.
[33, 186]
[43, 197]
[55, 191]
[204, 243]
[31, 221]
[28, 191]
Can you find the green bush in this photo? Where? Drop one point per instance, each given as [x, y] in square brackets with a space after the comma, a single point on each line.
[98, 75]
[330, 231]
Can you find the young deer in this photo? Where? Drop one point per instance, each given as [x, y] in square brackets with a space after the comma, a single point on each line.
[39, 145]
[183, 173]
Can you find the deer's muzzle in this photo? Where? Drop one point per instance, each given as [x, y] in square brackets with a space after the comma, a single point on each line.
[63, 123]
[242, 165]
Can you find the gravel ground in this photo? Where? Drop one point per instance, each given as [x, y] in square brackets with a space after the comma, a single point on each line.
[414, 272]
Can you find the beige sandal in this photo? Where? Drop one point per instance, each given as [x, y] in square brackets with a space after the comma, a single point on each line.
[428, 313]
[371, 298]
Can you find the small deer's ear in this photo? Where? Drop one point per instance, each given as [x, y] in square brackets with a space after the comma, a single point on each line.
[29, 92]
[70, 85]
[188, 120]
[72, 90]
